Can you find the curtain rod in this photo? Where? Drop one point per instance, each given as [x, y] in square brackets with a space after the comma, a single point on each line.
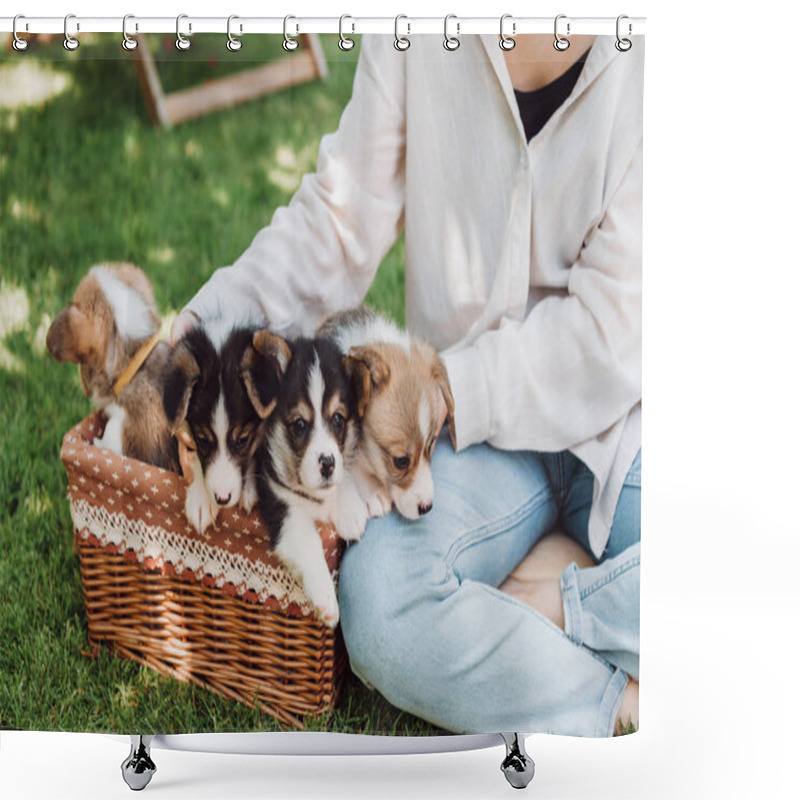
[406, 25]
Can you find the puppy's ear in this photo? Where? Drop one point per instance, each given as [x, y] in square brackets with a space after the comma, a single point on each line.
[358, 375]
[263, 365]
[136, 278]
[439, 373]
[369, 373]
[70, 337]
[182, 375]
[273, 348]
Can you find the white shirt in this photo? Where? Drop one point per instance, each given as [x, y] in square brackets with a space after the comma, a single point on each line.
[523, 260]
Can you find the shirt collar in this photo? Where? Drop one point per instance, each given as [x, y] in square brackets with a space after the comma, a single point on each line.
[601, 54]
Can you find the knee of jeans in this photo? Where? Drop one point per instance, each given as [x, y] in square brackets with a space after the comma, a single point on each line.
[366, 605]
[381, 620]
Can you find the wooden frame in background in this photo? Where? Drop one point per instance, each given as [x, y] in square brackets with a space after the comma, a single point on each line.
[306, 64]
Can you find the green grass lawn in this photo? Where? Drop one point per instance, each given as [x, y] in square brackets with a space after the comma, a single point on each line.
[85, 178]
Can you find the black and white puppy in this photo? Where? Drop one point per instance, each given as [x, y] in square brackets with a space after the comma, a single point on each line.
[209, 409]
[304, 391]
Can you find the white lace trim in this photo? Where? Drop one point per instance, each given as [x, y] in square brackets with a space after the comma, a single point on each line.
[150, 541]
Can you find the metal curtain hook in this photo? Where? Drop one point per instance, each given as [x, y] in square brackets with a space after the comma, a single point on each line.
[623, 45]
[345, 42]
[181, 42]
[127, 42]
[70, 42]
[289, 43]
[451, 42]
[234, 44]
[19, 44]
[560, 43]
[507, 42]
[401, 43]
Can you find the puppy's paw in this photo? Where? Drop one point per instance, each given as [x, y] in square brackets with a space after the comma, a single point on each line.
[112, 435]
[114, 444]
[329, 616]
[200, 511]
[352, 518]
[378, 504]
[249, 494]
[323, 596]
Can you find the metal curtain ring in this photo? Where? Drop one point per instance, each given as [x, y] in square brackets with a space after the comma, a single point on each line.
[289, 43]
[401, 43]
[560, 43]
[507, 42]
[234, 44]
[127, 42]
[345, 42]
[181, 42]
[451, 43]
[70, 42]
[19, 44]
[623, 45]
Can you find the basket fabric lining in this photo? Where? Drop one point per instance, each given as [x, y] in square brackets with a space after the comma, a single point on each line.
[136, 510]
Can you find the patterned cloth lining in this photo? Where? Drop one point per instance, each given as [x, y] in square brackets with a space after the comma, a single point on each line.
[136, 510]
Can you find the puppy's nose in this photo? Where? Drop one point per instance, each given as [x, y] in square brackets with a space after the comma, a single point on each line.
[222, 501]
[326, 465]
[424, 508]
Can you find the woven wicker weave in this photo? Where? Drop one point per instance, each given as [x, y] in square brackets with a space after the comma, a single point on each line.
[215, 609]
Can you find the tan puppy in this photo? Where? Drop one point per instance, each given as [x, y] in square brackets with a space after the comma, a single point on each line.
[110, 329]
[404, 399]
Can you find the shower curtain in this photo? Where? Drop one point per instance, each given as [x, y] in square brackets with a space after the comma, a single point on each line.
[486, 200]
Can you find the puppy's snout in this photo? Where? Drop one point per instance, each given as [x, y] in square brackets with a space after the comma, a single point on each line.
[327, 463]
[425, 507]
[222, 501]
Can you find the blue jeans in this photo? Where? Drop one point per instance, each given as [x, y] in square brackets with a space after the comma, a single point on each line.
[425, 624]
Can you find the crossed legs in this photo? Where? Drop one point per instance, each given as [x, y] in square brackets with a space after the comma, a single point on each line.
[426, 625]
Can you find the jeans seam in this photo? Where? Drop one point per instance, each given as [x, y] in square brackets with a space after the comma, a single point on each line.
[491, 529]
[609, 705]
[608, 577]
[571, 602]
[562, 480]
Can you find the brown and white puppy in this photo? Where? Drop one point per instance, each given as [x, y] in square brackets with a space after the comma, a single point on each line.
[109, 327]
[209, 410]
[405, 398]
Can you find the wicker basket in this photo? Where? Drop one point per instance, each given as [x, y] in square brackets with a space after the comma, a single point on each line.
[216, 609]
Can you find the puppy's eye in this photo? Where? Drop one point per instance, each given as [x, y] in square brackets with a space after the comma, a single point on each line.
[240, 442]
[299, 426]
[401, 462]
[337, 420]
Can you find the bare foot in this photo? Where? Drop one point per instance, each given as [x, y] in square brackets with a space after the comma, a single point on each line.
[628, 714]
[537, 580]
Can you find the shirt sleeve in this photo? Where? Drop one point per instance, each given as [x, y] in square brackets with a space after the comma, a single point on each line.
[320, 253]
[573, 366]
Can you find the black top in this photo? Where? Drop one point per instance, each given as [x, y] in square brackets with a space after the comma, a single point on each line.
[536, 107]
